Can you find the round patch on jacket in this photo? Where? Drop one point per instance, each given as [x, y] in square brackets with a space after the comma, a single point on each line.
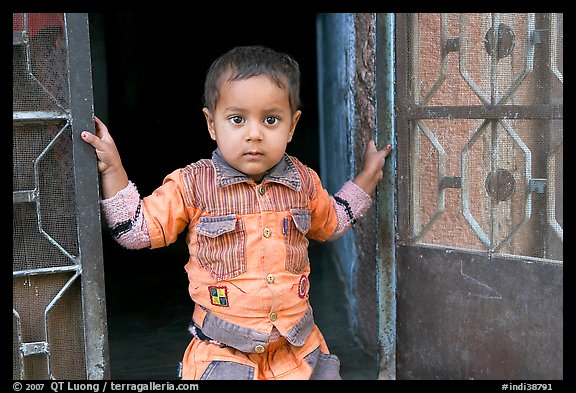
[303, 286]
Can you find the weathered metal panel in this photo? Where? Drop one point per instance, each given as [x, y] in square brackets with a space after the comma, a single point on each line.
[467, 316]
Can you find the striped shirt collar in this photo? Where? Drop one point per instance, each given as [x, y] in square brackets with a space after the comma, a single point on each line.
[284, 172]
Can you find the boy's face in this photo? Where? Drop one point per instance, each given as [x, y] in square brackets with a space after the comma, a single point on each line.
[252, 124]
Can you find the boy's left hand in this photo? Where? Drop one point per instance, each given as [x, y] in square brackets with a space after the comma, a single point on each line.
[371, 174]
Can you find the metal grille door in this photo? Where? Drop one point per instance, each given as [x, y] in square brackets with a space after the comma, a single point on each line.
[59, 319]
[480, 138]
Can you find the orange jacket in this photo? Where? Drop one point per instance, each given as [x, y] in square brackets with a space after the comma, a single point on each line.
[248, 243]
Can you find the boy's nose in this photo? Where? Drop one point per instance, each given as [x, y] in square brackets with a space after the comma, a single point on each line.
[254, 132]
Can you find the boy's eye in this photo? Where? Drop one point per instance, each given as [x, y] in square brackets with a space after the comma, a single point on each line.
[236, 119]
[270, 120]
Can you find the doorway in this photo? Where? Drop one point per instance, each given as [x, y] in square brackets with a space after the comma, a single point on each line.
[148, 87]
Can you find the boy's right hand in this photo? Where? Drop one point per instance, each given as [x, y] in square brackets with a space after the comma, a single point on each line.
[113, 175]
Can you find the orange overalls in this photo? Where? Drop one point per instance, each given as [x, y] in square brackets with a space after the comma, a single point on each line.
[248, 267]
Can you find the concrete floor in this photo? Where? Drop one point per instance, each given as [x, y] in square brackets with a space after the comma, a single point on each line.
[149, 312]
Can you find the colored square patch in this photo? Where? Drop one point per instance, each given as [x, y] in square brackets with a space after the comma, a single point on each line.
[218, 296]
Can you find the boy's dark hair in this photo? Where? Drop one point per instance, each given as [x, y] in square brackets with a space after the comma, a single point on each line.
[244, 62]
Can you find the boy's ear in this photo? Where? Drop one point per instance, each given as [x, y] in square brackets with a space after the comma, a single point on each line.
[209, 123]
[295, 118]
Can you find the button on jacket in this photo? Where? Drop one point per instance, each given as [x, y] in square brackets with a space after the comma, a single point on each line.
[248, 243]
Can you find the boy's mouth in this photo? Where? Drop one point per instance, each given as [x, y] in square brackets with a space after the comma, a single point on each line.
[253, 154]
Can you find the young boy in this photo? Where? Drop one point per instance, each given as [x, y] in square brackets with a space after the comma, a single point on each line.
[249, 211]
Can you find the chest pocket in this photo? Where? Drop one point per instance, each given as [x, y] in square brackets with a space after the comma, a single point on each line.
[297, 225]
[221, 246]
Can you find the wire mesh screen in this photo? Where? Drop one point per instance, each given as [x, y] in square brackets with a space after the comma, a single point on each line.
[42, 164]
[48, 331]
[51, 332]
[39, 62]
[485, 96]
